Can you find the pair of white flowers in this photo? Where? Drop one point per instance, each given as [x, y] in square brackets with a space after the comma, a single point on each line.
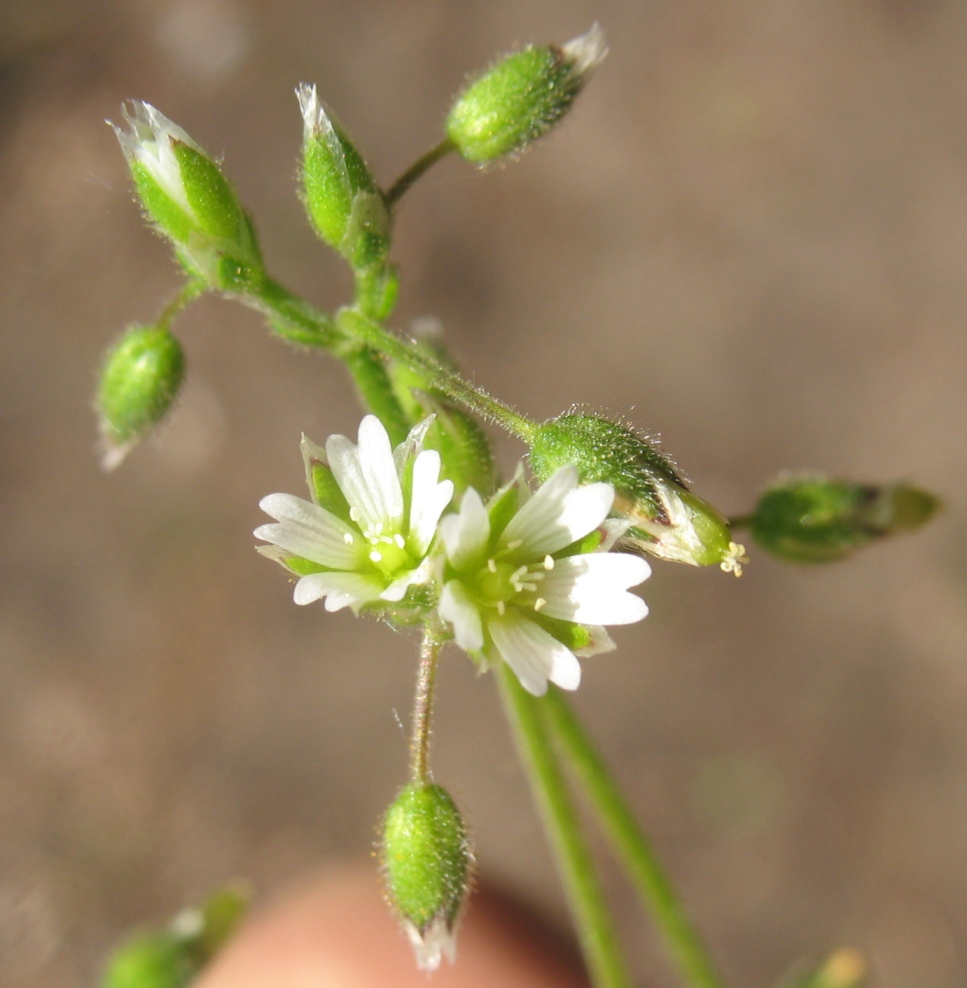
[526, 578]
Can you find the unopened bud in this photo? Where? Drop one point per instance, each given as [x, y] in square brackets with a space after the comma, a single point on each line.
[173, 957]
[140, 380]
[522, 97]
[846, 968]
[667, 519]
[427, 864]
[344, 204]
[812, 519]
[184, 192]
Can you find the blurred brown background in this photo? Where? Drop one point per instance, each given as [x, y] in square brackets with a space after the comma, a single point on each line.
[752, 232]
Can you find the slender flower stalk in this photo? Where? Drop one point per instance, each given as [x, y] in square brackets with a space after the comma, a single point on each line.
[630, 843]
[599, 943]
[423, 708]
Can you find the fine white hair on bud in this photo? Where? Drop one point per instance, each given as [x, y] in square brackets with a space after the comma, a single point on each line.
[587, 51]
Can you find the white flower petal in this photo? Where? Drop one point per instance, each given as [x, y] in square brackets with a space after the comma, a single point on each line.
[149, 142]
[437, 941]
[535, 655]
[466, 533]
[412, 444]
[592, 588]
[366, 474]
[396, 591]
[558, 514]
[339, 589]
[428, 499]
[310, 531]
[456, 607]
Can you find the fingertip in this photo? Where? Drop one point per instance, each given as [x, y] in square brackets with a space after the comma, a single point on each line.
[337, 932]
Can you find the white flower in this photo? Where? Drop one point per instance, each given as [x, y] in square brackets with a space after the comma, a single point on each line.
[150, 143]
[374, 515]
[524, 584]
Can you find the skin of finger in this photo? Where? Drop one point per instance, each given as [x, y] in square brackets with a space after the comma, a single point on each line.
[337, 932]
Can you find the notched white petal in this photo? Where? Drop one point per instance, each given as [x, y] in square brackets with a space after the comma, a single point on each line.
[558, 514]
[308, 530]
[534, 654]
[367, 476]
[593, 589]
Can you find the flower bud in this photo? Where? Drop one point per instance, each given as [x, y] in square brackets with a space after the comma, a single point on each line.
[140, 379]
[521, 97]
[173, 957]
[812, 519]
[344, 204]
[845, 969]
[427, 864]
[189, 200]
[667, 520]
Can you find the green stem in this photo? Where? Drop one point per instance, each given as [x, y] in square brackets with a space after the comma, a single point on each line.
[292, 318]
[399, 188]
[366, 330]
[376, 391]
[630, 844]
[598, 940]
[423, 709]
[742, 521]
[188, 293]
[299, 322]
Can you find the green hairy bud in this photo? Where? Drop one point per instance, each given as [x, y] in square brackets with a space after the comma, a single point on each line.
[812, 519]
[346, 208]
[173, 958]
[185, 194]
[667, 520]
[522, 97]
[141, 378]
[427, 865]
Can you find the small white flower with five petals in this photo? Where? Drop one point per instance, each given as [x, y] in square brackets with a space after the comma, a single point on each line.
[365, 536]
[527, 580]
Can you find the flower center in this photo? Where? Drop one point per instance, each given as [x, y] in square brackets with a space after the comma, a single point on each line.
[497, 583]
[388, 554]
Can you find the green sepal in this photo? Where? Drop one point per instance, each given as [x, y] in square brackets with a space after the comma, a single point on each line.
[157, 960]
[574, 636]
[166, 214]
[426, 856]
[512, 104]
[173, 957]
[502, 507]
[141, 377]
[303, 567]
[323, 487]
[212, 199]
[344, 204]
[814, 519]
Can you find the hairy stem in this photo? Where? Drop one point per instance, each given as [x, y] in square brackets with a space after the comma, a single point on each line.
[419, 167]
[423, 709]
